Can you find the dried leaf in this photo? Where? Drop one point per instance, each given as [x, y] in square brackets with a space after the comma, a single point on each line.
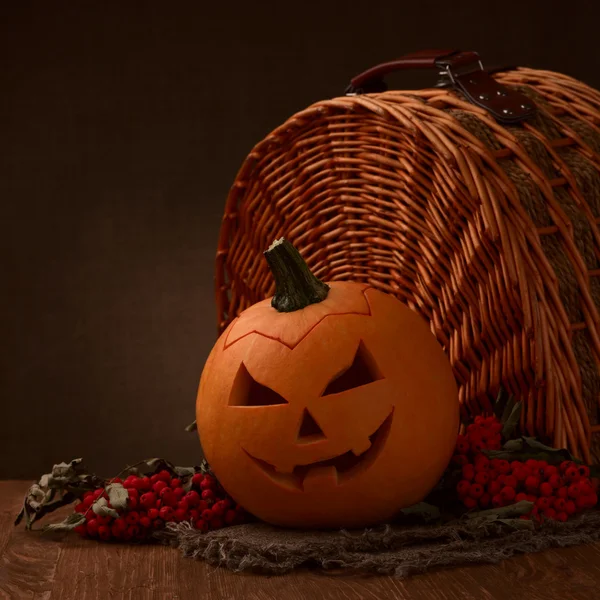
[192, 427]
[508, 408]
[512, 421]
[423, 510]
[528, 447]
[185, 471]
[72, 521]
[504, 512]
[518, 523]
[117, 495]
[101, 508]
[500, 402]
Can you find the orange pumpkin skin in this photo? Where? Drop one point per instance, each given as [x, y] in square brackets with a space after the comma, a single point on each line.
[262, 454]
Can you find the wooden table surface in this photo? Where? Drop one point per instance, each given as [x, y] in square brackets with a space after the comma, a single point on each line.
[67, 567]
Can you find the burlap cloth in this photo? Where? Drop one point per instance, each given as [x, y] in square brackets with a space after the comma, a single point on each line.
[391, 549]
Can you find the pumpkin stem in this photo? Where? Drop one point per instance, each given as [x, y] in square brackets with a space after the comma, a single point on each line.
[295, 285]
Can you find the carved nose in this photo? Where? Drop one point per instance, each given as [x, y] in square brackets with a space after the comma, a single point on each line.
[309, 428]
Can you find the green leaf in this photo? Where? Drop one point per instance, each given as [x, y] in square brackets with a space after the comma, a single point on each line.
[512, 421]
[192, 427]
[100, 507]
[72, 521]
[117, 495]
[428, 512]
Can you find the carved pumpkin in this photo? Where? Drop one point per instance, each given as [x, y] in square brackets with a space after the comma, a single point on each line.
[327, 405]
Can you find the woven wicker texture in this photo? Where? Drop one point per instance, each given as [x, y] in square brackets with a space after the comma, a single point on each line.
[490, 232]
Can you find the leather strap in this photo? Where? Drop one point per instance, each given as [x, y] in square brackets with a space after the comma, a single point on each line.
[461, 70]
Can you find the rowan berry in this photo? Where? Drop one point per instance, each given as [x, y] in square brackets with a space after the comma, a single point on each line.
[543, 503]
[201, 524]
[167, 497]
[549, 471]
[462, 445]
[159, 485]
[503, 466]
[148, 500]
[180, 514]
[565, 465]
[208, 495]
[208, 483]
[197, 479]
[572, 474]
[520, 473]
[559, 504]
[507, 493]
[555, 480]
[467, 501]
[192, 498]
[475, 491]
[482, 463]
[145, 522]
[92, 527]
[166, 513]
[494, 488]
[133, 531]
[164, 475]
[460, 460]
[570, 507]
[482, 477]
[132, 517]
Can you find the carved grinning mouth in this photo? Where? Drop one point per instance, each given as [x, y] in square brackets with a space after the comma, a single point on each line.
[345, 466]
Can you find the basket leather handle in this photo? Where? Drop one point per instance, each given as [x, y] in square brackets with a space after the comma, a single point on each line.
[461, 70]
[424, 59]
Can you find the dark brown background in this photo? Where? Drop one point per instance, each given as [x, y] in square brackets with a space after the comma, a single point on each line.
[121, 129]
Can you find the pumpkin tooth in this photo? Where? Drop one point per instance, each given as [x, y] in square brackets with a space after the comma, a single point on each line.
[284, 468]
[320, 478]
[362, 447]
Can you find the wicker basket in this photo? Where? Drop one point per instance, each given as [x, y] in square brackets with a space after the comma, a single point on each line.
[488, 229]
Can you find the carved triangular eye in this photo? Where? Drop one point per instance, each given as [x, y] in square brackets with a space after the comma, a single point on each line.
[362, 371]
[309, 428]
[248, 392]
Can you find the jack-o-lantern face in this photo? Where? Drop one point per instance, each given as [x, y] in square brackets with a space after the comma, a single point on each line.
[338, 414]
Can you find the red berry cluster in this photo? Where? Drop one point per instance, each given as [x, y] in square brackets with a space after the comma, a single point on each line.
[557, 492]
[156, 500]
